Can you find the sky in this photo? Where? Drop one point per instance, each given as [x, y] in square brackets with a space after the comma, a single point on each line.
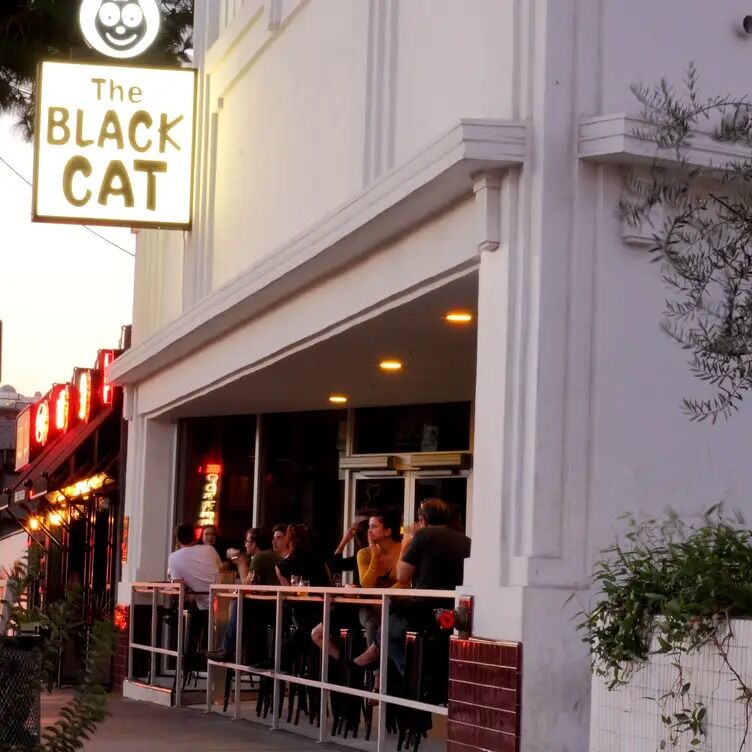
[64, 293]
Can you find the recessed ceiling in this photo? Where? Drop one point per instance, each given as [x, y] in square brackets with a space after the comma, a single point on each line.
[438, 363]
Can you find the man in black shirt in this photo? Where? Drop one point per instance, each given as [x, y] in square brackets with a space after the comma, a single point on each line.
[432, 559]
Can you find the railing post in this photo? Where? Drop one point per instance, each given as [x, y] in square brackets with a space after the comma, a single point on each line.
[325, 620]
[383, 667]
[240, 602]
[209, 667]
[180, 648]
[153, 641]
[277, 660]
[130, 632]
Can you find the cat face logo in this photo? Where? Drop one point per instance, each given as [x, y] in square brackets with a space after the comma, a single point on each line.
[119, 28]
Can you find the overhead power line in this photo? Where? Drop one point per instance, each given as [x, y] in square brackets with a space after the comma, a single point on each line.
[86, 227]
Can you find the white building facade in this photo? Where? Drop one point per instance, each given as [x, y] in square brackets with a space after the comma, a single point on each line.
[365, 166]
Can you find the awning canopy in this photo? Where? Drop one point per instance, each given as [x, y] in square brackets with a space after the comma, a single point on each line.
[87, 449]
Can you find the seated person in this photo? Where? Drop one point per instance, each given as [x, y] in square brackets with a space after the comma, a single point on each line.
[280, 540]
[433, 558]
[306, 565]
[339, 563]
[257, 566]
[378, 569]
[210, 537]
[303, 561]
[196, 566]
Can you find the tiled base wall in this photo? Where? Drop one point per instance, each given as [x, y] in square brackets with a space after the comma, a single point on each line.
[626, 720]
[120, 660]
[484, 696]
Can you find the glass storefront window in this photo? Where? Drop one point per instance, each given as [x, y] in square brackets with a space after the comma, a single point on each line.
[452, 489]
[377, 494]
[413, 428]
[300, 472]
[215, 478]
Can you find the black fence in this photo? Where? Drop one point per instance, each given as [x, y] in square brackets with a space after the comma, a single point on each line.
[20, 712]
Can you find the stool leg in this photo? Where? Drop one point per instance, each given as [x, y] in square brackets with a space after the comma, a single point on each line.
[229, 673]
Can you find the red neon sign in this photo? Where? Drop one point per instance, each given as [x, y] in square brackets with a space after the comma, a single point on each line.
[64, 407]
[84, 388]
[105, 359]
[61, 400]
[42, 422]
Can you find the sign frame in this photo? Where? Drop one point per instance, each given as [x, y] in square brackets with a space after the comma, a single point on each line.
[96, 221]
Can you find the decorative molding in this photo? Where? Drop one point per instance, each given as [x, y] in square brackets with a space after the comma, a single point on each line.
[381, 88]
[487, 192]
[273, 14]
[437, 176]
[612, 138]
[239, 44]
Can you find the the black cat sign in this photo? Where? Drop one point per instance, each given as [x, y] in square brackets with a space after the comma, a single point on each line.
[114, 144]
[119, 28]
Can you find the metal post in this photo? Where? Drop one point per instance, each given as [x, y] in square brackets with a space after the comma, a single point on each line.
[323, 725]
[153, 641]
[277, 660]
[256, 473]
[240, 601]
[209, 667]
[131, 619]
[383, 666]
[180, 643]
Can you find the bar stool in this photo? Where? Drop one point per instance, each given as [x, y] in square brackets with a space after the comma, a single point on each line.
[426, 680]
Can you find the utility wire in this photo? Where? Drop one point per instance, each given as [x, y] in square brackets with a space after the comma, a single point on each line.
[86, 227]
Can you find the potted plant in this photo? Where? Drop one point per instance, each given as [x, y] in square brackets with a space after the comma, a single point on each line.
[667, 635]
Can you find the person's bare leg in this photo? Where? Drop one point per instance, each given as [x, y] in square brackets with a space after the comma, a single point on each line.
[368, 656]
[317, 635]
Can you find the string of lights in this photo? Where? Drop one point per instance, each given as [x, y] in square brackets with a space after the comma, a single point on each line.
[86, 227]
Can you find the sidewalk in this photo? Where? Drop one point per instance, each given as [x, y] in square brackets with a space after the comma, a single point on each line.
[136, 726]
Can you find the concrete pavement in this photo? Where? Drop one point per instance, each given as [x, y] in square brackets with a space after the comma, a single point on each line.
[136, 726]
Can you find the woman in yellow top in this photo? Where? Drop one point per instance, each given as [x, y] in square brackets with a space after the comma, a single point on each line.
[377, 564]
[377, 567]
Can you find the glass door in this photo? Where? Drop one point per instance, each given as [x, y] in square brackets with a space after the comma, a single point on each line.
[376, 492]
[451, 488]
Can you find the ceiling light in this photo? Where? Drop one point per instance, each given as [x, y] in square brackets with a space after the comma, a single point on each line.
[390, 365]
[337, 399]
[459, 317]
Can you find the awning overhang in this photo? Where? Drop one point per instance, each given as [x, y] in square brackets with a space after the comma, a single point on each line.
[53, 468]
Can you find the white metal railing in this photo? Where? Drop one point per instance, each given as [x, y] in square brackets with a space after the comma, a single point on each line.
[327, 597]
[157, 592]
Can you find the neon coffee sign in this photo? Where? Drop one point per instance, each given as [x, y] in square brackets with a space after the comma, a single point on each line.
[212, 473]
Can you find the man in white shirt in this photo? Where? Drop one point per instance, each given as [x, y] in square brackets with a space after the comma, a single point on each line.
[195, 565]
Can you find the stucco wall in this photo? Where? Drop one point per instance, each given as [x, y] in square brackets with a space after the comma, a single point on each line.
[294, 120]
[645, 40]
[648, 455]
[158, 283]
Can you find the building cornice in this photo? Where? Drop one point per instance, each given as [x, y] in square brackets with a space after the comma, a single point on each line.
[439, 175]
[615, 139]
